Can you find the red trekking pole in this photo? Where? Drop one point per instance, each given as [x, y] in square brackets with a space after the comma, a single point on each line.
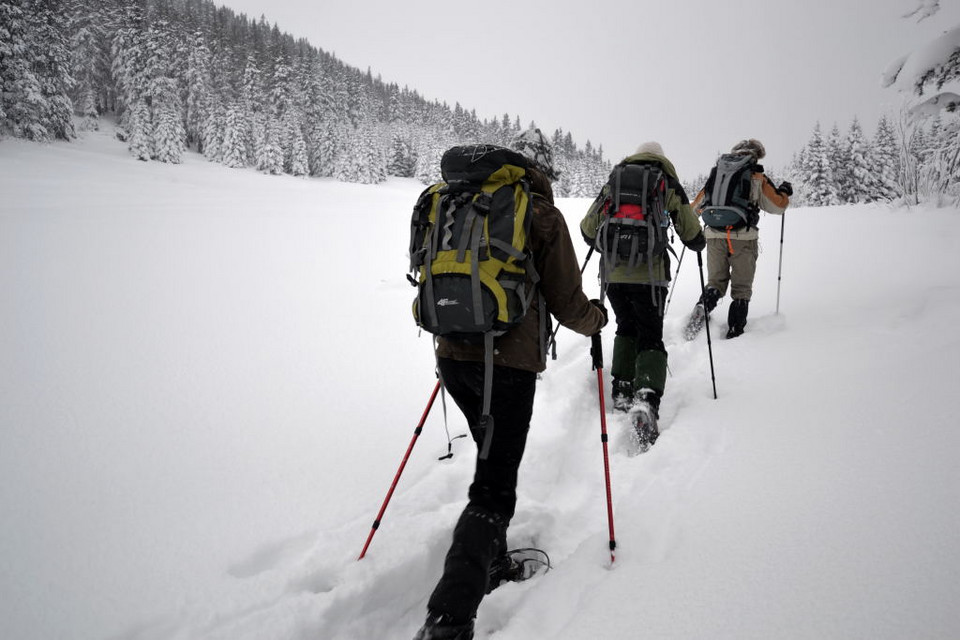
[596, 352]
[396, 479]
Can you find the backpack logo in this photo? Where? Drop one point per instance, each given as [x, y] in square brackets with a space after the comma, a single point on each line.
[726, 203]
[634, 228]
[468, 245]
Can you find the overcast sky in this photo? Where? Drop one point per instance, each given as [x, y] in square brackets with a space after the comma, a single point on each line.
[695, 75]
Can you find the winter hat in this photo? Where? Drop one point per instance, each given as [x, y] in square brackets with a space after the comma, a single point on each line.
[534, 146]
[749, 147]
[650, 147]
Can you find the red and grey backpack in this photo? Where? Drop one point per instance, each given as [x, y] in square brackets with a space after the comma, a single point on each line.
[634, 227]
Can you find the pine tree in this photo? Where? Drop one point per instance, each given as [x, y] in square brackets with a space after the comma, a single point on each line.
[168, 133]
[198, 92]
[295, 160]
[402, 162]
[270, 159]
[35, 70]
[429, 152]
[885, 159]
[231, 146]
[861, 186]
[837, 155]
[140, 128]
[87, 61]
[818, 173]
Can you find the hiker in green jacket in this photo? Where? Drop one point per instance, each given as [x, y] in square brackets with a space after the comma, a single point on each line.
[637, 294]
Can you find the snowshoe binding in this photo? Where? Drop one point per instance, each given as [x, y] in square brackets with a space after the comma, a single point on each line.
[517, 565]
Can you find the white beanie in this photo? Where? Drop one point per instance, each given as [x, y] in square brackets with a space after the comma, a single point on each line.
[650, 147]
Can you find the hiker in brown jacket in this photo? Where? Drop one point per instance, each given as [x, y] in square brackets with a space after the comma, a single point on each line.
[732, 251]
[476, 561]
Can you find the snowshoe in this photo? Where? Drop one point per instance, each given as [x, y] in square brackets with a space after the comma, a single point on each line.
[518, 565]
[695, 323]
[645, 428]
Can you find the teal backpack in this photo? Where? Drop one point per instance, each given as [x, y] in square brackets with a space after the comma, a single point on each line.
[726, 204]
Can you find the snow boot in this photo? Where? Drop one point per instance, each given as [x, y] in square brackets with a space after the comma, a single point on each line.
[645, 414]
[517, 565]
[622, 394]
[737, 318]
[439, 627]
[707, 302]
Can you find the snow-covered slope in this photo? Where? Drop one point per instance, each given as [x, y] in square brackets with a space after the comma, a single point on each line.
[210, 377]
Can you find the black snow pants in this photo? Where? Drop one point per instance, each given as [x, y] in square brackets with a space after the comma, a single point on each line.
[480, 535]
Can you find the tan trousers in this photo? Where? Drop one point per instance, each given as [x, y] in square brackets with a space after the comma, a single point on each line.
[736, 269]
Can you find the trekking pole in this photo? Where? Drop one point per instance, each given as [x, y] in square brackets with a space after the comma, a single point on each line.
[675, 278]
[783, 221]
[596, 352]
[703, 296]
[416, 434]
[552, 342]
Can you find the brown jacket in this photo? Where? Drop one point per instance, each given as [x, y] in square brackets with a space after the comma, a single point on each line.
[560, 285]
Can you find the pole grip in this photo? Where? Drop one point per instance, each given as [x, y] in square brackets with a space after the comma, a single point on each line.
[596, 351]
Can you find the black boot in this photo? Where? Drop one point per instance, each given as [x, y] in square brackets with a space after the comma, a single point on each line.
[737, 318]
[622, 393]
[709, 298]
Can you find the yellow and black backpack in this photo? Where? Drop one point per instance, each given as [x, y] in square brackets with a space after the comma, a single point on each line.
[468, 245]
[469, 248]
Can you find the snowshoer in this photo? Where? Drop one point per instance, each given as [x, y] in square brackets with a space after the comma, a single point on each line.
[637, 285]
[478, 558]
[730, 205]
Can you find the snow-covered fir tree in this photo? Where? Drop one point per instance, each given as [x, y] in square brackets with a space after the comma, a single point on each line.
[858, 153]
[198, 91]
[35, 67]
[886, 161]
[231, 144]
[817, 172]
[402, 161]
[88, 60]
[839, 164]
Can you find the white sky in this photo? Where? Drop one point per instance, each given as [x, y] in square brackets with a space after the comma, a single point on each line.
[695, 75]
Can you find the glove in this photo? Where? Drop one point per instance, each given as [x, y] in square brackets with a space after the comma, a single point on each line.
[785, 187]
[698, 243]
[603, 310]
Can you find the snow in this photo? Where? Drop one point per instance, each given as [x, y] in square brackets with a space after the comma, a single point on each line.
[210, 377]
[905, 72]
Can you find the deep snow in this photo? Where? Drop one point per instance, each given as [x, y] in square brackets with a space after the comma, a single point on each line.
[210, 377]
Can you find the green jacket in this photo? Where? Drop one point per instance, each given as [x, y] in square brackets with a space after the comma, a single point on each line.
[685, 221]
